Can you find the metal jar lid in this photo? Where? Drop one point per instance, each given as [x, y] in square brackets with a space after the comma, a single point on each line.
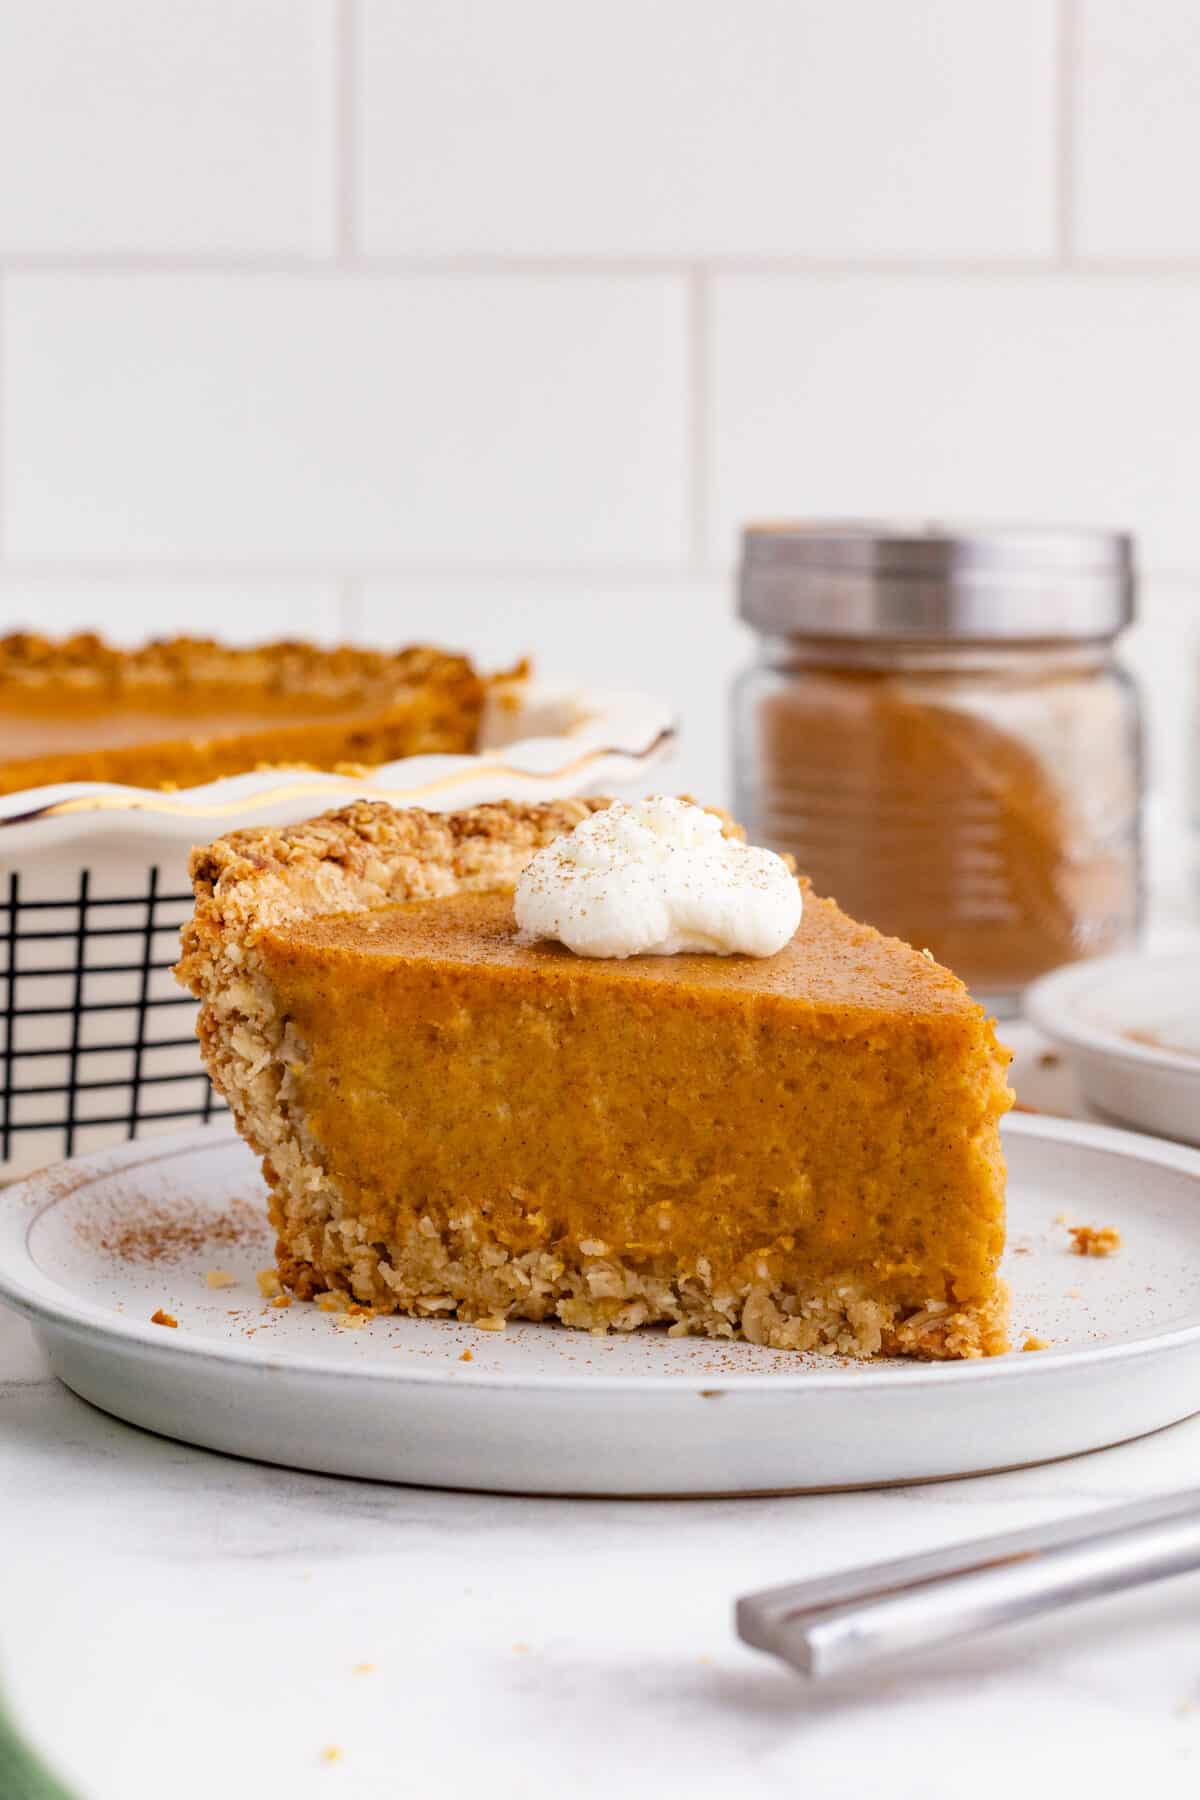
[979, 584]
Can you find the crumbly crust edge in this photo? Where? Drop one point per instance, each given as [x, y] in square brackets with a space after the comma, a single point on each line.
[462, 1273]
[89, 663]
[365, 855]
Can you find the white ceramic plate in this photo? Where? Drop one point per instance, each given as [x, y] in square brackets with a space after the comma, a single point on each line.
[91, 1249]
[1131, 1026]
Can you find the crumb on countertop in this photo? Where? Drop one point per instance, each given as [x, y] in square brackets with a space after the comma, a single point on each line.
[163, 1318]
[282, 1300]
[467, 1356]
[332, 1753]
[363, 1669]
[221, 1278]
[269, 1284]
[491, 1322]
[1092, 1240]
[1036, 1343]
[1049, 1059]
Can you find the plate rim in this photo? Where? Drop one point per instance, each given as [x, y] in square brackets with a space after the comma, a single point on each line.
[1046, 1002]
[24, 1202]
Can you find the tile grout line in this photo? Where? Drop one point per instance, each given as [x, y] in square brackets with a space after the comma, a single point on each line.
[345, 133]
[699, 420]
[347, 578]
[598, 268]
[1066, 88]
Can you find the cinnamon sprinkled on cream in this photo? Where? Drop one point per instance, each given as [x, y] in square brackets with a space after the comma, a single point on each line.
[656, 879]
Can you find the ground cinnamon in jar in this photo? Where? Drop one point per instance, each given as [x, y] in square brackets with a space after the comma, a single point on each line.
[937, 730]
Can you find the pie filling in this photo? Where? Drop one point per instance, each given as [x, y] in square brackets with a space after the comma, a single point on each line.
[801, 1149]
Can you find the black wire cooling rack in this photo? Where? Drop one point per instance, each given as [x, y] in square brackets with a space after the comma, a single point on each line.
[94, 1032]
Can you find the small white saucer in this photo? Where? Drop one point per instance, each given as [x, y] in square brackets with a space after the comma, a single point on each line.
[1131, 1026]
[92, 1249]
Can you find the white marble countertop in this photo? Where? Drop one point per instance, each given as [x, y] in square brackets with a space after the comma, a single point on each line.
[173, 1623]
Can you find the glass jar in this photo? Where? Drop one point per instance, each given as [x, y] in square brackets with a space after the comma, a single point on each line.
[937, 730]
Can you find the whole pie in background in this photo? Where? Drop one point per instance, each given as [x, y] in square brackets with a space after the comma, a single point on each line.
[188, 710]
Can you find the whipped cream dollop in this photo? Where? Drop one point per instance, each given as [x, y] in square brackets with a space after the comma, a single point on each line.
[653, 879]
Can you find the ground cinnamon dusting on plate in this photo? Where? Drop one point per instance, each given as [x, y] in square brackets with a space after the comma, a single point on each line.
[144, 1233]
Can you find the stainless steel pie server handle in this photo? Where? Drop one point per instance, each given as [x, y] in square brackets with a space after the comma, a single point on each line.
[847, 1621]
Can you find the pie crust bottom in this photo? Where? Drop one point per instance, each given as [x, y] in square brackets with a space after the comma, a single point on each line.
[463, 1273]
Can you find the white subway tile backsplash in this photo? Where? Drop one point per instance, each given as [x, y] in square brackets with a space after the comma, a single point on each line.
[166, 126]
[937, 396]
[229, 452]
[131, 610]
[694, 127]
[677, 639]
[281, 418]
[1137, 123]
